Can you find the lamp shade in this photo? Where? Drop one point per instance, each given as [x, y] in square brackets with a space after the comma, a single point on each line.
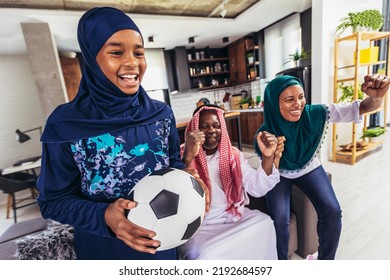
[21, 137]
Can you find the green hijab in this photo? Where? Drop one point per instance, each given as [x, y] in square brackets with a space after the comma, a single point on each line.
[304, 137]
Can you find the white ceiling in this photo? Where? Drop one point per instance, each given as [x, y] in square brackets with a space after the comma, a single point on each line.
[168, 31]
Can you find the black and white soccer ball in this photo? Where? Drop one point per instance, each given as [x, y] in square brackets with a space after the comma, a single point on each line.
[171, 203]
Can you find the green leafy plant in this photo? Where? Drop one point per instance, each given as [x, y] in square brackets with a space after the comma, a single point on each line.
[373, 132]
[347, 93]
[298, 55]
[246, 100]
[250, 57]
[370, 20]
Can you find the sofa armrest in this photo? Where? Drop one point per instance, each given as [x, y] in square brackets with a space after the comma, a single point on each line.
[306, 222]
[24, 228]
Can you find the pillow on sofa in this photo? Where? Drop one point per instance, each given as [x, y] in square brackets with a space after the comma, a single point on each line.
[54, 243]
[21, 229]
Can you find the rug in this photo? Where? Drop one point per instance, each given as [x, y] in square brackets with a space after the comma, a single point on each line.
[54, 243]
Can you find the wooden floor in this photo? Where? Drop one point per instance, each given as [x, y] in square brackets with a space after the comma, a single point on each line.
[363, 191]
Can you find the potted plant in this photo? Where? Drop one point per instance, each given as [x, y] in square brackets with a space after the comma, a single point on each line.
[347, 94]
[245, 102]
[373, 133]
[367, 20]
[250, 57]
[297, 56]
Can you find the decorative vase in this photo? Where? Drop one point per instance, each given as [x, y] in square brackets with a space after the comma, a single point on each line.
[297, 63]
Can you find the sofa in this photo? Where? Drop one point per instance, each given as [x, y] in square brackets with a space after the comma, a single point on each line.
[303, 220]
[8, 245]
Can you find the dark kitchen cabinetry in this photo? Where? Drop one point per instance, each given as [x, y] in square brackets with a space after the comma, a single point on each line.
[177, 69]
[197, 68]
[250, 123]
[251, 56]
[245, 56]
[208, 68]
[237, 61]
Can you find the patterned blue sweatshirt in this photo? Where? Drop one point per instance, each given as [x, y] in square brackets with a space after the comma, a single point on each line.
[79, 180]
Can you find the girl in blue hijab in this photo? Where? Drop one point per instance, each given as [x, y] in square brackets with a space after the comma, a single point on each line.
[303, 127]
[97, 147]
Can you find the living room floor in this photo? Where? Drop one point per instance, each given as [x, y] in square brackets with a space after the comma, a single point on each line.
[363, 191]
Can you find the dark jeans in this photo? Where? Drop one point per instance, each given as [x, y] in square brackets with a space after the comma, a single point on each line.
[319, 190]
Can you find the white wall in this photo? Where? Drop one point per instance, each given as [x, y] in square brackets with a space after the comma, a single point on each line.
[281, 40]
[19, 108]
[325, 18]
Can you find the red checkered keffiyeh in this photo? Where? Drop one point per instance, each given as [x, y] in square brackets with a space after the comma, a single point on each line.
[229, 164]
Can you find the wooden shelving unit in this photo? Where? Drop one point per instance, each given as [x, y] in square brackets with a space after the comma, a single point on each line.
[355, 155]
[208, 68]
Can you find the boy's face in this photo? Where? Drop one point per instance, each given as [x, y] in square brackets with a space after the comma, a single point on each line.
[291, 103]
[122, 60]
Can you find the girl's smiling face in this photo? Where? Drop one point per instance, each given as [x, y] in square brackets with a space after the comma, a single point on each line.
[122, 60]
[292, 101]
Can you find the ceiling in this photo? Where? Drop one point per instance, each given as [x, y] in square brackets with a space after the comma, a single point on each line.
[193, 8]
[170, 22]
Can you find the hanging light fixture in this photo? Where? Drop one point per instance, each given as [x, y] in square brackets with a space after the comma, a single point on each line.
[151, 39]
[191, 40]
[225, 40]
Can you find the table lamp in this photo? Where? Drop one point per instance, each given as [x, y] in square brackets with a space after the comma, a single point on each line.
[22, 137]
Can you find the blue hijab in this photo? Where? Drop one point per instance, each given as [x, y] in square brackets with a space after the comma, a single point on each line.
[100, 106]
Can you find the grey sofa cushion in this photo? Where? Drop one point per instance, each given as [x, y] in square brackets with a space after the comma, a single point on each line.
[7, 250]
[24, 228]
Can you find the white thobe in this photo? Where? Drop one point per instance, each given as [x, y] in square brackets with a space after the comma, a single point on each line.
[221, 237]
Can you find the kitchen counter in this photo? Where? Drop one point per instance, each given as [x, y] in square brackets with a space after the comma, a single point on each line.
[181, 125]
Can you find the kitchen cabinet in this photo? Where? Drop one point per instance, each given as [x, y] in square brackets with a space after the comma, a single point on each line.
[188, 69]
[208, 68]
[354, 77]
[250, 123]
[177, 69]
[237, 61]
[252, 56]
[244, 57]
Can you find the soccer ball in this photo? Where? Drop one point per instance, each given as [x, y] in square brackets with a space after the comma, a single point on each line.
[171, 203]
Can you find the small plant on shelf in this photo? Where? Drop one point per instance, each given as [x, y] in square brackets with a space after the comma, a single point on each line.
[250, 57]
[245, 102]
[347, 94]
[367, 20]
[297, 56]
[373, 132]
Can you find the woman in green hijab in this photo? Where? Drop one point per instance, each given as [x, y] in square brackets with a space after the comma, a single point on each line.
[304, 127]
